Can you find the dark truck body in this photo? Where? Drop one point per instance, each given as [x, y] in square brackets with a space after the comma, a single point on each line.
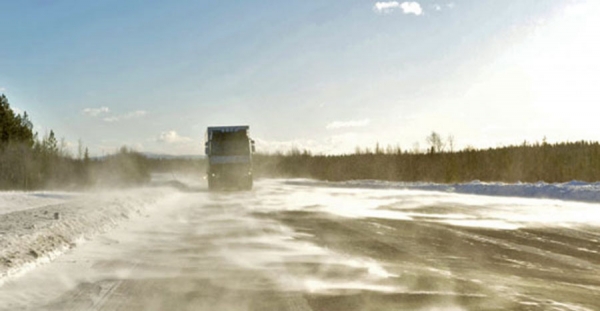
[229, 150]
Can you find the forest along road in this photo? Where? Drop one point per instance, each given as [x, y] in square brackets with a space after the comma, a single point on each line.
[298, 245]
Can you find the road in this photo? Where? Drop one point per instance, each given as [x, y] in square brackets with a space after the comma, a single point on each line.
[301, 246]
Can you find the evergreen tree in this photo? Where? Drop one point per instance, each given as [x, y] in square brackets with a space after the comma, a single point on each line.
[7, 120]
[50, 144]
[14, 128]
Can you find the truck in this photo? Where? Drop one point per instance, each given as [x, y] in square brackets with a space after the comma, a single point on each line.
[229, 150]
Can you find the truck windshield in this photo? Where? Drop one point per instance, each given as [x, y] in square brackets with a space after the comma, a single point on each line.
[235, 143]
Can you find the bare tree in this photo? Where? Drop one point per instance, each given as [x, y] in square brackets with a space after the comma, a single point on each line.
[435, 142]
[450, 142]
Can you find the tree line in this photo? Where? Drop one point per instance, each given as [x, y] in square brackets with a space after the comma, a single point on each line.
[528, 162]
[28, 161]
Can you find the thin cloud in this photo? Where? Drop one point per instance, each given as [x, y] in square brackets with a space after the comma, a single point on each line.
[345, 124]
[406, 7]
[127, 116]
[2, 89]
[94, 112]
[451, 5]
[172, 137]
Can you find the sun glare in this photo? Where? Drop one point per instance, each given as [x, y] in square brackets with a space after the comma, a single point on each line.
[562, 62]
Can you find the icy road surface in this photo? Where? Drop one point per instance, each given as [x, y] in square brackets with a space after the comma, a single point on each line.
[305, 246]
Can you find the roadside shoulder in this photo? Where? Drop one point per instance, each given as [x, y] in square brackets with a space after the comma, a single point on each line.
[34, 236]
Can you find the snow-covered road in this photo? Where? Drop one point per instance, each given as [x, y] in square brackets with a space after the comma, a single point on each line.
[305, 245]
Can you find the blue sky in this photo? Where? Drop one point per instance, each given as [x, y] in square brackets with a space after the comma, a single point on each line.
[322, 75]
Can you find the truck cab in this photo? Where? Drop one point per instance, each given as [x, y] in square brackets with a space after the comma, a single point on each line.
[229, 150]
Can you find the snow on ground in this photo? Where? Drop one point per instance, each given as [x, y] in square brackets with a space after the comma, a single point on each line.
[38, 226]
[11, 201]
[571, 191]
[35, 227]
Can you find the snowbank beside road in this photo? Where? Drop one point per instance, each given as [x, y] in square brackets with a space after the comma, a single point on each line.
[571, 191]
[43, 227]
[12, 201]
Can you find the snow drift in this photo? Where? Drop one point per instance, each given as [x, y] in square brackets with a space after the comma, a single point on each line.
[36, 227]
